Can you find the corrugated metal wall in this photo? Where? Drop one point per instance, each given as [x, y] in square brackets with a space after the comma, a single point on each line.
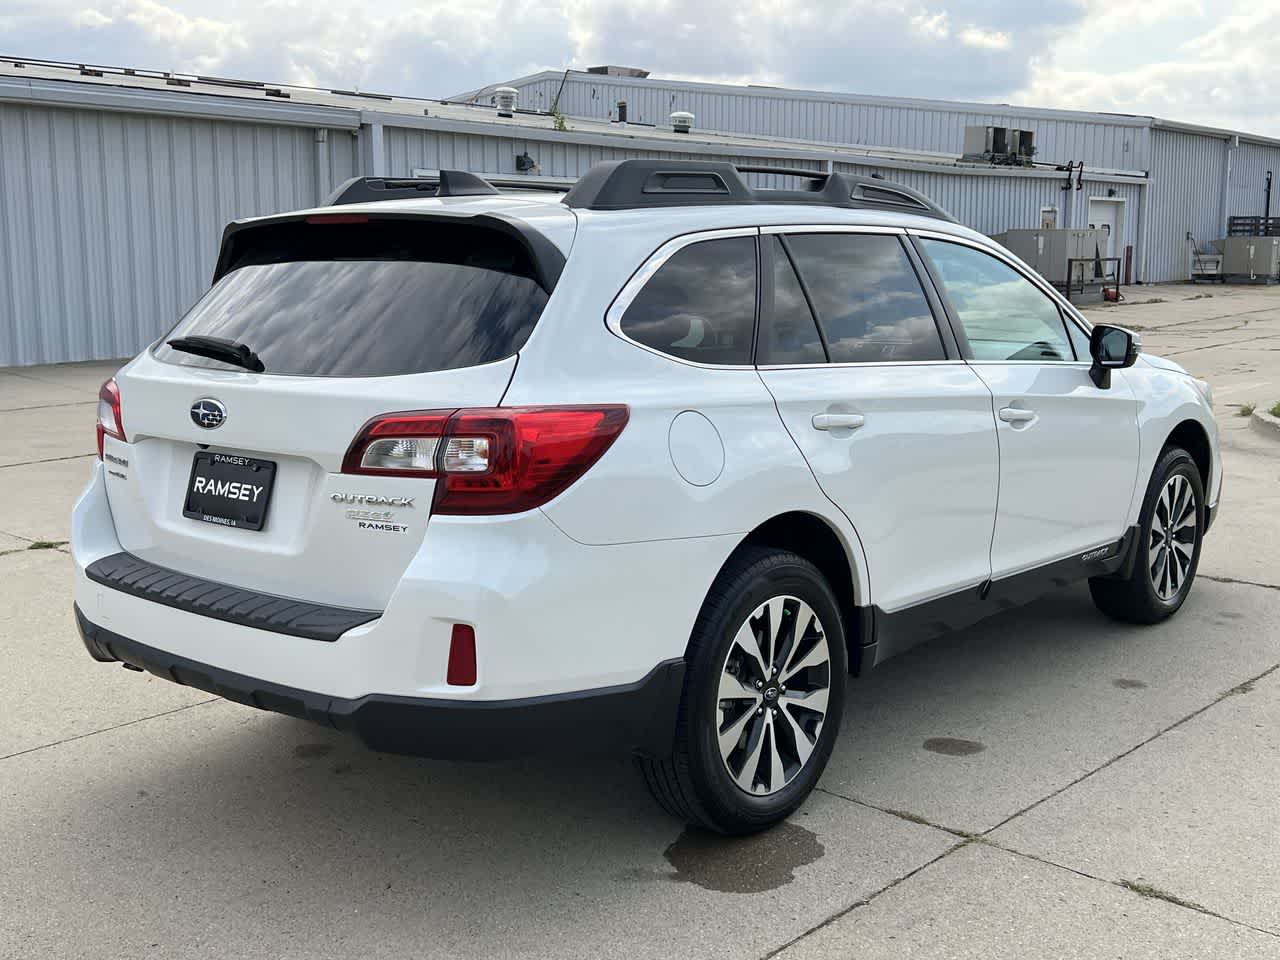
[109, 222]
[994, 204]
[1249, 169]
[410, 149]
[990, 204]
[1185, 198]
[1115, 145]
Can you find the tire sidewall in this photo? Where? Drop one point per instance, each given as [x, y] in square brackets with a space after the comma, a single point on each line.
[1174, 462]
[792, 576]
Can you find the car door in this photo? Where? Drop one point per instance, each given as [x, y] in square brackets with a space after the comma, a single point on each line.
[1068, 449]
[895, 426]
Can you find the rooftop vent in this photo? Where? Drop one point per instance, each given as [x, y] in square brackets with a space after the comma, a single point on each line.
[505, 98]
[682, 121]
[609, 70]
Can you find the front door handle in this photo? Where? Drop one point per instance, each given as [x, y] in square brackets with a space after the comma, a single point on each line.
[838, 421]
[1016, 415]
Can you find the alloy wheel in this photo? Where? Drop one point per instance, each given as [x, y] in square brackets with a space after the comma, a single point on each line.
[772, 700]
[1173, 537]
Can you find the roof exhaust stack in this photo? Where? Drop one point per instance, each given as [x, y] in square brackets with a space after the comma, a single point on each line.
[505, 98]
[682, 121]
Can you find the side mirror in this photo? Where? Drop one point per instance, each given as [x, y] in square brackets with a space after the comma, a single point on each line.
[1112, 348]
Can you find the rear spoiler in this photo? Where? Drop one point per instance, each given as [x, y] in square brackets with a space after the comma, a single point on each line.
[445, 183]
[548, 261]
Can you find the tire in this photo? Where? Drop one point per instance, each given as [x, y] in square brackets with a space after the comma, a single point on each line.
[1156, 587]
[757, 590]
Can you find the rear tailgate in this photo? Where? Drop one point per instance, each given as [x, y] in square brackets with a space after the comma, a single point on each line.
[327, 537]
[346, 329]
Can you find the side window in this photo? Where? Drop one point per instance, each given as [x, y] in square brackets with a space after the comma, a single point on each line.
[1004, 315]
[701, 304]
[867, 297]
[790, 335]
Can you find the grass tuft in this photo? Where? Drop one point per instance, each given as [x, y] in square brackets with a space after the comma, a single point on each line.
[1246, 409]
[1155, 893]
[46, 544]
[1275, 409]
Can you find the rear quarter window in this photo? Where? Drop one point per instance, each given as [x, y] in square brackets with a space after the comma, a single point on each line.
[700, 305]
[375, 299]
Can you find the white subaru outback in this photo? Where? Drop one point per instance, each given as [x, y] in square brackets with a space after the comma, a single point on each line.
[654, 465]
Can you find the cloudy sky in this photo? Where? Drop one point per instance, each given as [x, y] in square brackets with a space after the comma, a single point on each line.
[1195, 60]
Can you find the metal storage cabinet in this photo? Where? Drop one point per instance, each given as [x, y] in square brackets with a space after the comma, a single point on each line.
[1252, 257]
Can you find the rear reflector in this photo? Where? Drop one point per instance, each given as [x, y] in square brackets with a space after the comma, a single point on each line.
[109, 419]
[462, 656]
[488, 461]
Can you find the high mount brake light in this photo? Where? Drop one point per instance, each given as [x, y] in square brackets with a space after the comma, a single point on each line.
[323, 218]
[489, 460]
[110, 423]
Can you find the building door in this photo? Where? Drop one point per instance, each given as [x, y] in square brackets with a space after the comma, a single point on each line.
[1107, 214]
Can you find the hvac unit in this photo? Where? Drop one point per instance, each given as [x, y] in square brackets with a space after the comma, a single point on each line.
[999, 145]
[1251, 259]
[1047, 251]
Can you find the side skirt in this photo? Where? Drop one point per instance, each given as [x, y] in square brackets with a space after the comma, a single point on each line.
[888, 634]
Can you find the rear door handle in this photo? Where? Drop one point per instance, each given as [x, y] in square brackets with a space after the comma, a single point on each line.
[1016, 415]
[838, 421]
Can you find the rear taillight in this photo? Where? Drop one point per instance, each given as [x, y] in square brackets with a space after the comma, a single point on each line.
[109, 421]
[488, 461]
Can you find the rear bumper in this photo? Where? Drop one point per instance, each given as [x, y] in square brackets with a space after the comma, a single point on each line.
[638, 716]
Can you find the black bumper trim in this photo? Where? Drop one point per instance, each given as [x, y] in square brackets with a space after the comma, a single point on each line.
[635, 716]
[207, 598]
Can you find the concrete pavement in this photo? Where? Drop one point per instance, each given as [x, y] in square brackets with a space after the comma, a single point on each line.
[1046, 784]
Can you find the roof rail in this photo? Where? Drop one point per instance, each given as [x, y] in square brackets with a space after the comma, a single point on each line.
[637, 184]
[446, 183]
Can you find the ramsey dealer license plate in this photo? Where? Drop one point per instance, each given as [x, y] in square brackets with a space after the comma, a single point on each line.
[229, 490]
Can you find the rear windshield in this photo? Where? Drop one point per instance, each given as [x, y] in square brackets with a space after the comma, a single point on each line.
[371, 299]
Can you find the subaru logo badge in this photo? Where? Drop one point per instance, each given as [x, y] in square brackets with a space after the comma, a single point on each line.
[208, 413]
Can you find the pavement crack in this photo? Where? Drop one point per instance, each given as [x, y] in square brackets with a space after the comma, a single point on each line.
[1140, 888]
[46, 406]
[1247, 583]
[27, 463]
[901, 815]
[94, 733]
[864, 901]
[1239, 688]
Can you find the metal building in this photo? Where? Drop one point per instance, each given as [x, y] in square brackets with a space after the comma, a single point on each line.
[115, 184]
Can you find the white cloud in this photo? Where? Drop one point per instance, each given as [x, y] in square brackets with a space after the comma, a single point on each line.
[90, 18]
[984, 39]
[933, 25]
[1224, 76]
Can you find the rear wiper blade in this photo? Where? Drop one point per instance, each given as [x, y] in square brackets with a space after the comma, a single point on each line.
[219, 348]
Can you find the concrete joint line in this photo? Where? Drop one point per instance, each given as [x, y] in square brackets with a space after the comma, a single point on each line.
[1247, 583]
[1242, 687]
[865, 900]
[27, 463]
[94, 733]
[1143, 890]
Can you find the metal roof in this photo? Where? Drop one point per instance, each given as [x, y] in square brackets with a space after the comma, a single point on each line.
[53, 83]
[828, 96]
